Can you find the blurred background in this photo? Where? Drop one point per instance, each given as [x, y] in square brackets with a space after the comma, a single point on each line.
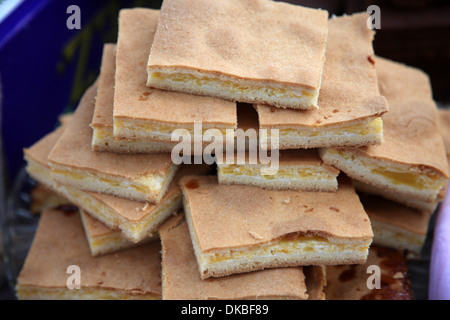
[45, 67]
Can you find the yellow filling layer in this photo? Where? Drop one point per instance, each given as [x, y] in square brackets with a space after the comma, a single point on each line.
[316, 173]
[301, 244]
[167, 130]
[361, 129]
[231, 85]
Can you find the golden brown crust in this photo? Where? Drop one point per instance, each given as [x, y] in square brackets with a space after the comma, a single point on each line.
[73, 149]
[181, 279]
[134, 101]
[411, 128]
[224, 37]
[236, 212]
[60, 242]
[104, 100]
[349, 89]
[40, 150]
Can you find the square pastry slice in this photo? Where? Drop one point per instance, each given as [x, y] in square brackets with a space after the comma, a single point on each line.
[141, 177]
[181, 280]
[254, 51]
[144, 113]
[350, 104]
[103, 122]
[412, 159]
[103, 240]
[351, 282]
[60, 250]
[299, 169]
[237, 229]
[396, 226]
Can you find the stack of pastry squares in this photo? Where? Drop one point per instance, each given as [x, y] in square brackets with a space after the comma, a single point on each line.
[356, 160]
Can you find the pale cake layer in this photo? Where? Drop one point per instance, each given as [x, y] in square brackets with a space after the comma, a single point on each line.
[412, 160]
[181, 281]
[414, 203]
[299, 169]
[265, 229]
[351, 282]
[103, 240]
[201, 48]
[130, 274]
[396, 226]
[350, 103]
[144, 113]
[142, 177]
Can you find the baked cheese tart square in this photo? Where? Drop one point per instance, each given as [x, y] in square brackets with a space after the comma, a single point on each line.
[254, 51]
[237, 229]
[103, 121]
[351, 282]
[396, 226]
[412, 160]
[141, 177]
[144, 113]
[350, 104]
[181, 280]
[300, 169]
[60, 242]
[103, 240]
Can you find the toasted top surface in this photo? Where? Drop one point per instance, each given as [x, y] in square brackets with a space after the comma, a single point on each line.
[411, 128]
[250, 39]
[40, 150]
[350, 282]
[73, 149]
[135, 210]
[349, 82]
[395, 214]
[246, 215]
[104, 100]
[60, 241]
[183, 278]
[132, 99]
[445, 122]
